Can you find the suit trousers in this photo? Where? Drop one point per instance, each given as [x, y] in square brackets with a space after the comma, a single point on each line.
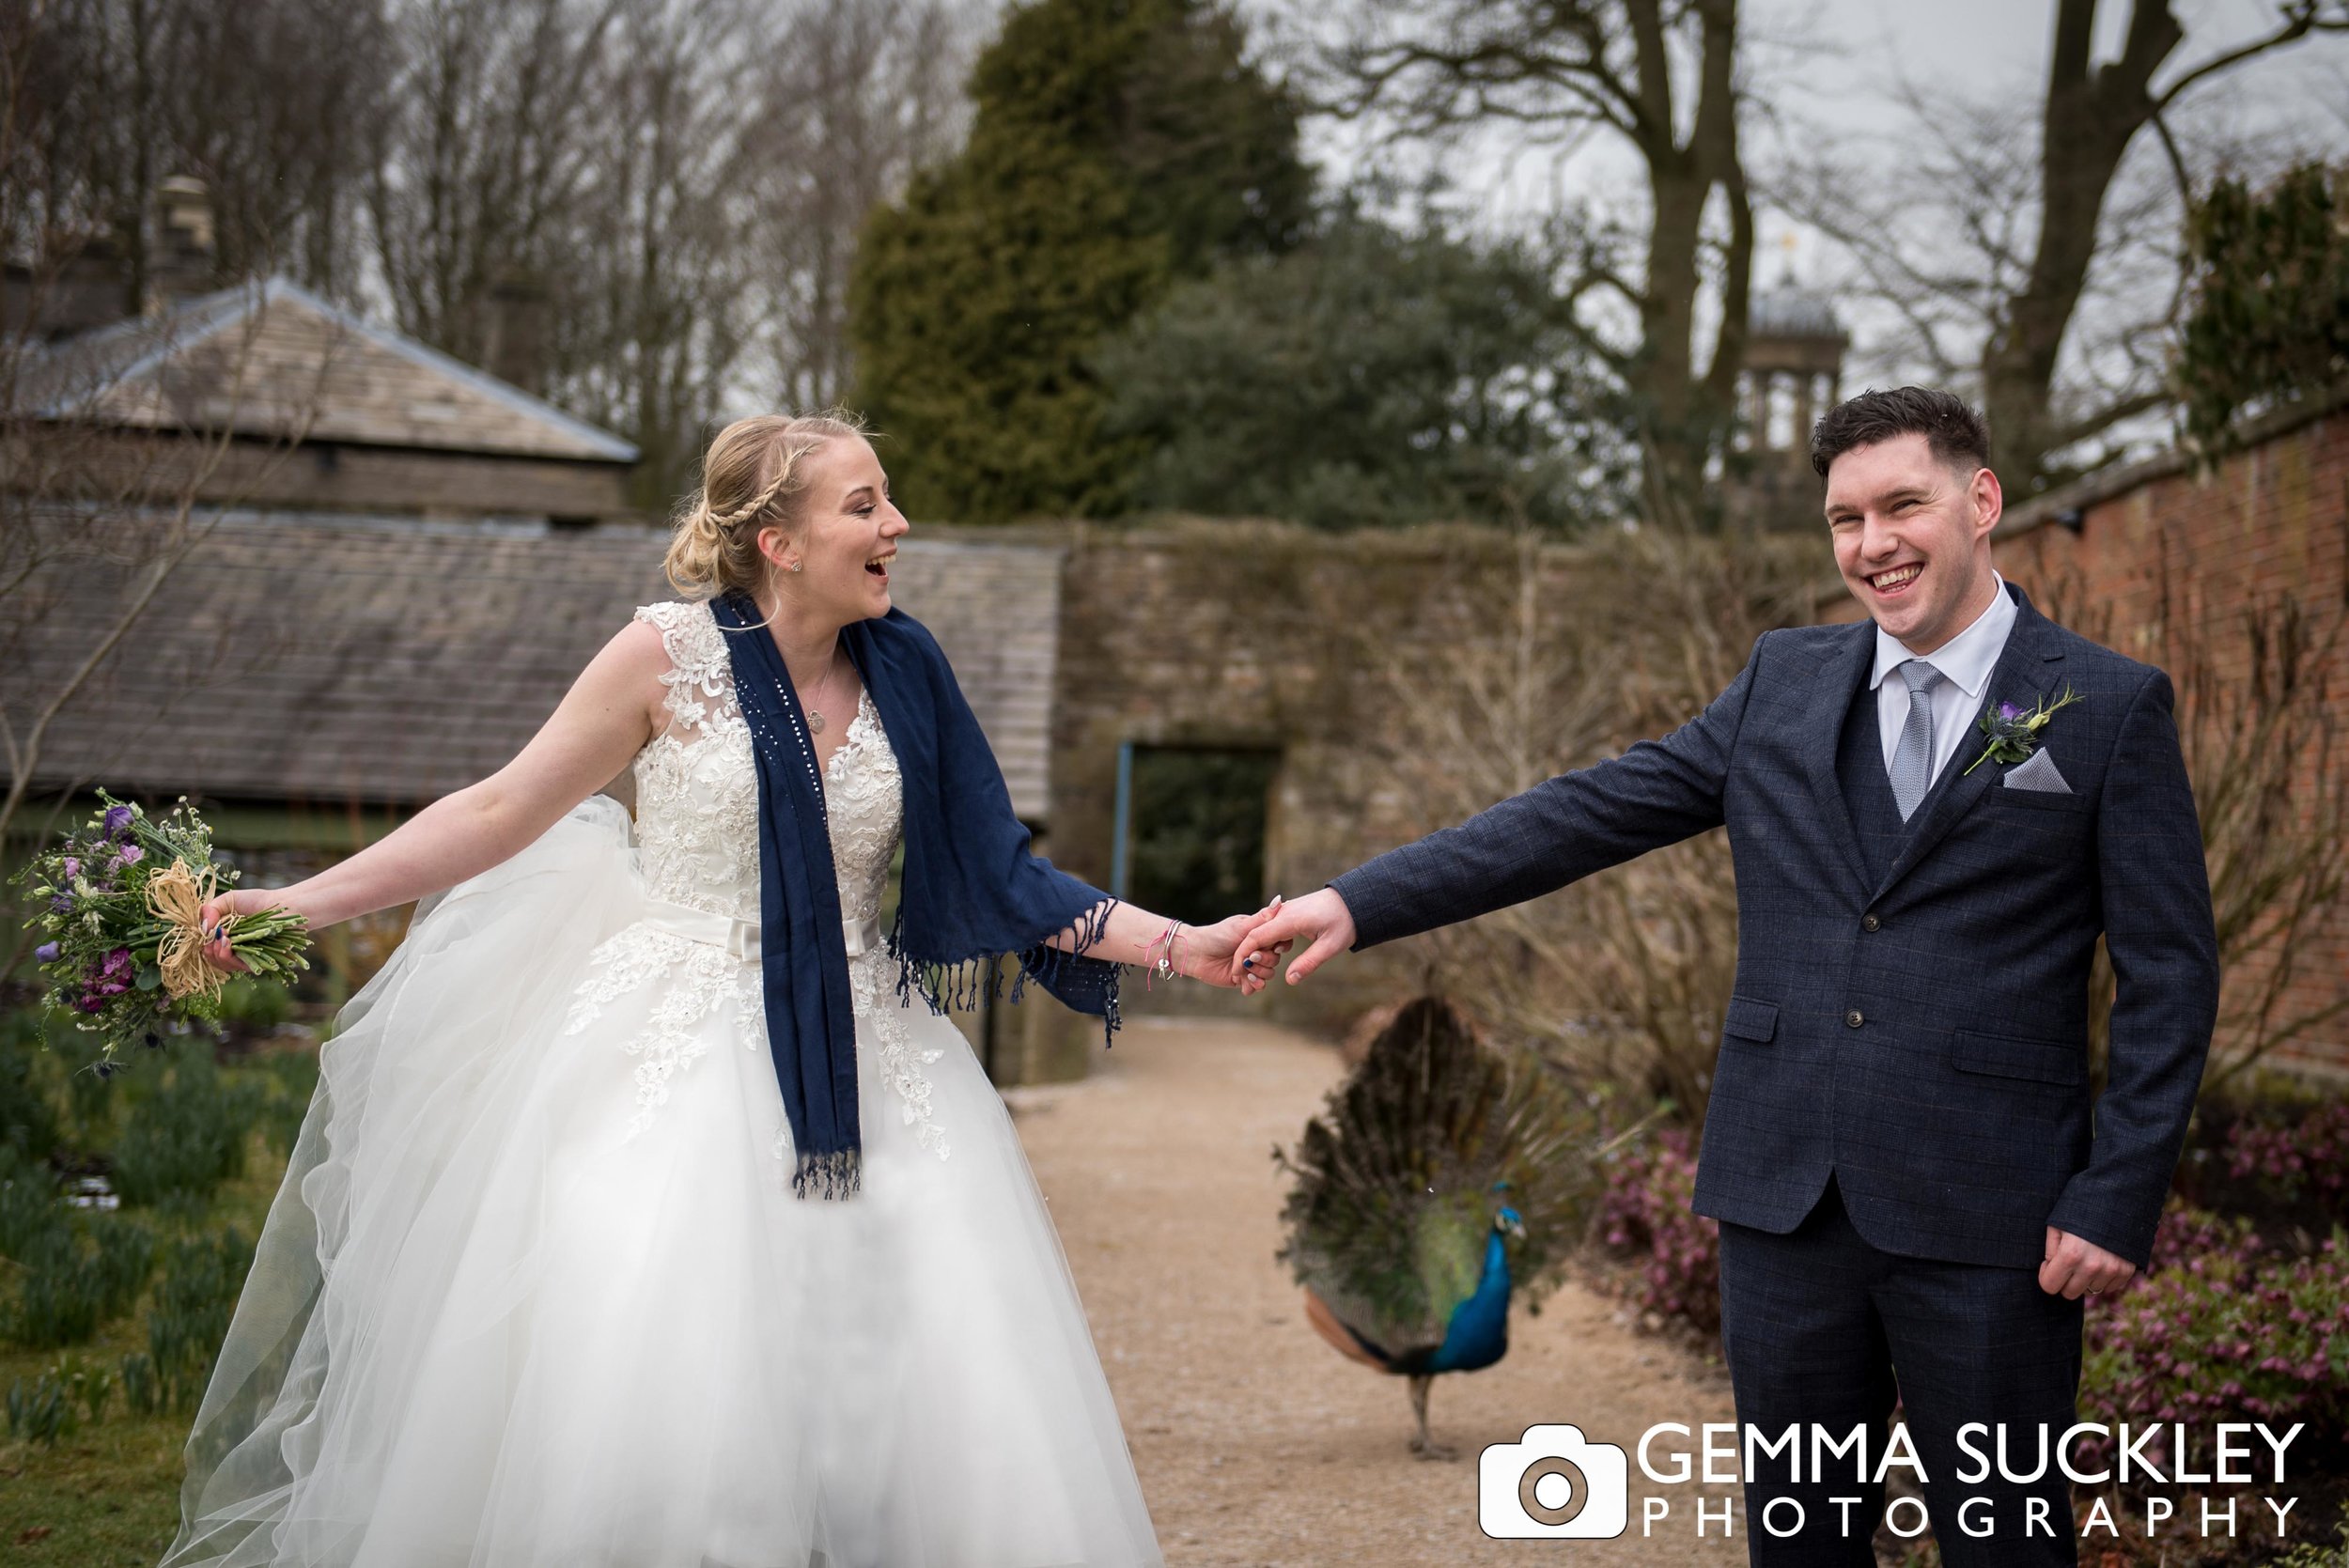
[1824, 1331]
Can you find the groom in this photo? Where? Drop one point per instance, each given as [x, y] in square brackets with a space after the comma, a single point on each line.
[1911, 1179]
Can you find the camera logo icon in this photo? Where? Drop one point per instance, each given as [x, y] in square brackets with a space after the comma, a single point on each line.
[1553, 1485]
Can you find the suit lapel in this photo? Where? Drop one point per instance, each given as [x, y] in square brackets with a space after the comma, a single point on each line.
[1841, 675]
[2028, 669]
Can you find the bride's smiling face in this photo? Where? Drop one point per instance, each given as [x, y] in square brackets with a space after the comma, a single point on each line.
[845, 542]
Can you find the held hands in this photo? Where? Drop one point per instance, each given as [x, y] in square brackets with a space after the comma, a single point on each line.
[1320, 918]
[2074, 1266]
[1209, 953]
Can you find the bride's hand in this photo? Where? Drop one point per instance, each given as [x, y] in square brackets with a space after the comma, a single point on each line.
[241, 901]
[1207, 951]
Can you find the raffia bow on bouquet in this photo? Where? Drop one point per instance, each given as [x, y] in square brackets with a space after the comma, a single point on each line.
[119, 908]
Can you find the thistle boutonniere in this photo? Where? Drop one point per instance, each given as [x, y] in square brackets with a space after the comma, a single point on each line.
[2011, 734]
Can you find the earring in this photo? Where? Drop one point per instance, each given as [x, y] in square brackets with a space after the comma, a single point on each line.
[795, 565]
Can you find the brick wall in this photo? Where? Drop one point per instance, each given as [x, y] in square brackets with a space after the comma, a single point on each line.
[2168, 565]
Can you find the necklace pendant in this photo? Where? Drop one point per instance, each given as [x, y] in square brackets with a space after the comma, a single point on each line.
[815, 721]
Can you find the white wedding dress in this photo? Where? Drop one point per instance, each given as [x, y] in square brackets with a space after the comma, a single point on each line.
[537, 1294]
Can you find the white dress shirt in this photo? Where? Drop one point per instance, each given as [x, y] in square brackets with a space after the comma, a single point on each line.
[1964, 661]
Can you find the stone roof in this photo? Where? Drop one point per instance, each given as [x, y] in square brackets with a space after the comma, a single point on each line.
[273, 360]
[329, 658]
[1791, 311]
[995, 609]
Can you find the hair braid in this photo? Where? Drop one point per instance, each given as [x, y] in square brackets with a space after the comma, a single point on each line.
[754, 464]
[757, 503]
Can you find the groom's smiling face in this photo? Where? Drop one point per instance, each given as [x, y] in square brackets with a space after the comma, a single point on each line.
[1912, 537]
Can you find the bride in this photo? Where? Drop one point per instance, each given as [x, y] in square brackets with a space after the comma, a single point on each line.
[643, 1215]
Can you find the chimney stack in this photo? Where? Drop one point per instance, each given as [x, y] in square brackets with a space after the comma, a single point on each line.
[181, 263]
[514, 348]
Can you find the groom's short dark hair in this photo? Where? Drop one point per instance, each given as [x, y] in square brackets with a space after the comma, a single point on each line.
[1953, 429]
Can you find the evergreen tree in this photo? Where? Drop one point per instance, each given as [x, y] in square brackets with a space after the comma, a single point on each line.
[1117, 146]
[2270, 318]
[1375, 375]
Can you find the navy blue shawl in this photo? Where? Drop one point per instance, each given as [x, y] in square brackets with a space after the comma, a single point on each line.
[971, 892]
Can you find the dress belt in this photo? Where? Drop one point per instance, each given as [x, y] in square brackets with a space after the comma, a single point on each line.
[740, 937]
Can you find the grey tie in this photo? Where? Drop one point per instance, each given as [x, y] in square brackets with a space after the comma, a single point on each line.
[1912, 759]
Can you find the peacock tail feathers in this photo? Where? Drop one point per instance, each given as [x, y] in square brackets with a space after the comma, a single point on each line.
[1395, 1194]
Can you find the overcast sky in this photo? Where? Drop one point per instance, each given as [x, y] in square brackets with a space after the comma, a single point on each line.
[1849, 69]
[1846, 74]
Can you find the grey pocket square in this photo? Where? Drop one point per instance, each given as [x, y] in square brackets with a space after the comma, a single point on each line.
[2037, 772]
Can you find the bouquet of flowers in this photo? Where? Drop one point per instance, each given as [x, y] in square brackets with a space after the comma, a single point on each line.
[117, 905]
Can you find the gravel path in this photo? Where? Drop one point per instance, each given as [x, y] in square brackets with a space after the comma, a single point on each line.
[1256, 1443]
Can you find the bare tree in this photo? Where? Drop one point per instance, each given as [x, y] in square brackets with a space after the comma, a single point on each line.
[2045, 272]
[681, 183]
[653, 289]
[270, 102]
[1623, 977]
[706, 243]
[643, 209]
[1658, 80]
[477, 174]
[868, 92]
[267, 101]
[2259, 723]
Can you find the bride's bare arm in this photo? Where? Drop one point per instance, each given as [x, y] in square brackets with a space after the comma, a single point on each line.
[1135, 935]
[607, 715]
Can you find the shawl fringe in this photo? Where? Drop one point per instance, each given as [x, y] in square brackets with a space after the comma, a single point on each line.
[960, 985]
[835, 1174]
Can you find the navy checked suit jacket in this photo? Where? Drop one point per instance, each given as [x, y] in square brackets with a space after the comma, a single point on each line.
[1921, 1037]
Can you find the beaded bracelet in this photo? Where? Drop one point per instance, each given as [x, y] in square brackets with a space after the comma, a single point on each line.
[1165, 964]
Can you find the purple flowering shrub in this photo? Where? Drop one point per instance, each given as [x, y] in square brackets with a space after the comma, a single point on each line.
[2221, 1329]
[2244, 1314]
[2308, 1160]
[1644, 1218]
[2275, 1150]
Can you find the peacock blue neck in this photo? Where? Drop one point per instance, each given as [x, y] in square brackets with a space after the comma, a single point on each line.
[1478, 1334]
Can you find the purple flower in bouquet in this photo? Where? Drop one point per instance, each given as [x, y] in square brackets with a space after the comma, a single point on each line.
[45, 953]
[130, 854]
[72, 865]
[118, 819]
[112, 975]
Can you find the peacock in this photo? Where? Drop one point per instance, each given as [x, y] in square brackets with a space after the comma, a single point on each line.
[1440, 1179]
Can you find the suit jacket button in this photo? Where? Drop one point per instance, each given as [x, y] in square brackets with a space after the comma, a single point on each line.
[1869, 923]
[1853, 1018]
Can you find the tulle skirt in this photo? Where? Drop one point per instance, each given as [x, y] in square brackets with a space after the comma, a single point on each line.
[537, 1291]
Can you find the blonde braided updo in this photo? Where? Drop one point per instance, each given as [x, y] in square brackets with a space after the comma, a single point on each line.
[753, 476]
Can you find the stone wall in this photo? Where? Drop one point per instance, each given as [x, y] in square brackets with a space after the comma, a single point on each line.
[1246, 636]
[1255, 635]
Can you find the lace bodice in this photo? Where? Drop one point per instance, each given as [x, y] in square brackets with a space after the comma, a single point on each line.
[698, 794]
[697, 839]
